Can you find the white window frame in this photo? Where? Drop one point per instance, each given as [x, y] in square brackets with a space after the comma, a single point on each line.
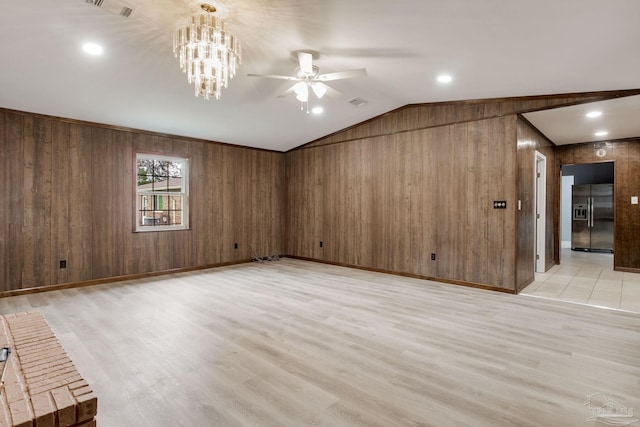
[145, 193]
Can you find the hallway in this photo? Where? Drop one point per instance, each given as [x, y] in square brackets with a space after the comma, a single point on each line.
[588, 278]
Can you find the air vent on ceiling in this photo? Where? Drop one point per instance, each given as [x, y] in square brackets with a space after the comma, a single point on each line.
[357, 102]
[598, 145]
[113, 6]
[126, 12]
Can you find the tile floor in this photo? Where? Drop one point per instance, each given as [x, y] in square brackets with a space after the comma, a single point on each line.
[588, 278]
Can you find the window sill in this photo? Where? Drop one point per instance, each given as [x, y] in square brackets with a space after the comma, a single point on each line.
[152, 229]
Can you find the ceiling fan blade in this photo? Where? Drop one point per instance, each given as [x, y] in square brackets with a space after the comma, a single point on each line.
[306, 63]
[274, 76]
[332, 92]
[321, 89]
[286, 92]
[360, 72]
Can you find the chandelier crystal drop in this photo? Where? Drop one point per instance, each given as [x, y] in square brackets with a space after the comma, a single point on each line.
[207, 52]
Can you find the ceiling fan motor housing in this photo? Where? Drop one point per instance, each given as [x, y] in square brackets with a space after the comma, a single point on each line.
[315, 71]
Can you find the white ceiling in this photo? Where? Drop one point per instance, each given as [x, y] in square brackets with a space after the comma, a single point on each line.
[620, 118]
[492, 48]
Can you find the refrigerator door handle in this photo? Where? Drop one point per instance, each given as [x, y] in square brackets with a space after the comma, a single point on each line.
[591, 212]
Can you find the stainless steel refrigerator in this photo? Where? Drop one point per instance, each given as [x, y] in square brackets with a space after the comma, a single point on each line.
[592, 217]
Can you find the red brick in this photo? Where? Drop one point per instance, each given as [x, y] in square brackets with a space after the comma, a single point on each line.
[87, 407]
[21, 414]
[56, 374]
[29, 346]
[66, 405]
[14, 387]
[5, 414]
[42, 386]
[91, 423]
[78, 384]
[47, 370]
[47, 358]
[44, 410]
[62, 381]
[32, 328]
[50, 346]
[48, 363]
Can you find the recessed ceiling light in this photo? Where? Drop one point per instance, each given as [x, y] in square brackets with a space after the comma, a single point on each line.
[445, 78]
[317, 110]
[92, 48]
[601, 133]
[593, 114]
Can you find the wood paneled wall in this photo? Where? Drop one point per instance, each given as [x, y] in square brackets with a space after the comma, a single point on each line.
[421, 116]
[389, 202]
[67, 193]
[387, 193]
[530, 141]
[626, 155]
[384, 195]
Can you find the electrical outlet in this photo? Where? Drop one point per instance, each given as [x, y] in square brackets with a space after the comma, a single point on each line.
[433, 257]
[235, 246]
[321, 243]
[63, 263]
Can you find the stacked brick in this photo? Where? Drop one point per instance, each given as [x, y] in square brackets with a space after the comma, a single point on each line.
[42, 387]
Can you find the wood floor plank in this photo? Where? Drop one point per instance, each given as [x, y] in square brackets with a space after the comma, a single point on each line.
[296, 343]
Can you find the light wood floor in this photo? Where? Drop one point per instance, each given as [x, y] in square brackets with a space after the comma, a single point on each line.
[294, 343]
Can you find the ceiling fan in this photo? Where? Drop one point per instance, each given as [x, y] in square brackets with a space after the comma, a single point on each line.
[308, 79]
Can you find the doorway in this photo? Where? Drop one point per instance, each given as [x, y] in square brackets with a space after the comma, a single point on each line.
[595, 174]
[540, 214]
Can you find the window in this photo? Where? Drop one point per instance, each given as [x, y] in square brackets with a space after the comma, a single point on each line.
[162, 193]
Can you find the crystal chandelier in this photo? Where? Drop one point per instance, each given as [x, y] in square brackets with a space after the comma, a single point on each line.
[208, 53]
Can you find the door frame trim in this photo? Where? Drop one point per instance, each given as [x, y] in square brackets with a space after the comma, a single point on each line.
[540, 198]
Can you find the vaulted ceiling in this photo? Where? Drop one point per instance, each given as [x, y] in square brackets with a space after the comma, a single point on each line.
[491, 48]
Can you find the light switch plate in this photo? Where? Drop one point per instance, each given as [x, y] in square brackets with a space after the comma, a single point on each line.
[634, 200]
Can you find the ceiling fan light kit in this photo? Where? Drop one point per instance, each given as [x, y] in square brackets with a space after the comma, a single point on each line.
[309, 79]
[207, 52]
[302, 91]
[320, 89]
